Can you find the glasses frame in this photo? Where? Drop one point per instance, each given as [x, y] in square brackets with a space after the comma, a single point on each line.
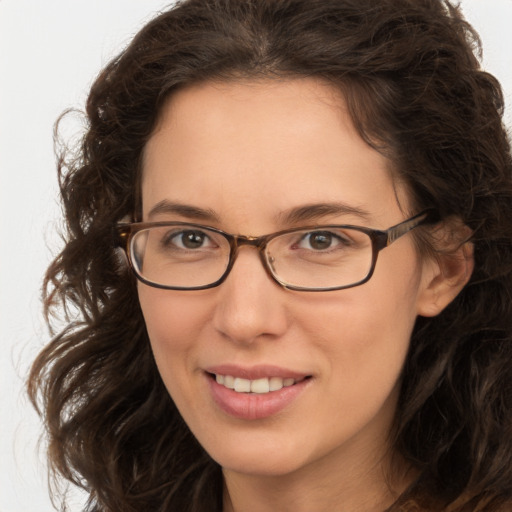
[380, 239]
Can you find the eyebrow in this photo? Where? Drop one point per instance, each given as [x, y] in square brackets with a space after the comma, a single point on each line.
[317, 211]
[183, 210]
[296, 215]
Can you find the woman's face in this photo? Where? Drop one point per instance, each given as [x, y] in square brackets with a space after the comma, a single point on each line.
[254, 158]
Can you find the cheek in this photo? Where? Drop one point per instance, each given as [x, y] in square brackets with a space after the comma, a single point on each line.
[174, 324]
[364, 332]
[362, 317]
[366, 351]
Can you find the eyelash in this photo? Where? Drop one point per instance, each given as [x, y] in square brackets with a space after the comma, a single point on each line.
[171, 238]
[343, 241]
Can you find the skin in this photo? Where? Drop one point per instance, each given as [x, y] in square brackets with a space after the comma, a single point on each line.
[328, 450]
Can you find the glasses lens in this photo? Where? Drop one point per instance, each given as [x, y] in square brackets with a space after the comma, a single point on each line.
[179, 256]
[329, 257]
[185, 256]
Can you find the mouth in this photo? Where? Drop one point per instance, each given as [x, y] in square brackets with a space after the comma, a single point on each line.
[257, 392]
[257, 386]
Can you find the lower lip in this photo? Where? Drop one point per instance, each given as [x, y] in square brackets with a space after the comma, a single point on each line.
[254, 406]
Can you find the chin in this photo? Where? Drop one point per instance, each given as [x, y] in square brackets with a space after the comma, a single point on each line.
[272, 458]
[262, 466]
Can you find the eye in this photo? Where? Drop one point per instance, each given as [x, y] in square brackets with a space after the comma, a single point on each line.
[188, 240]
[322, 241]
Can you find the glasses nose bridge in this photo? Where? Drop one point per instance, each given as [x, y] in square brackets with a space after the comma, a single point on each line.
[258, 242]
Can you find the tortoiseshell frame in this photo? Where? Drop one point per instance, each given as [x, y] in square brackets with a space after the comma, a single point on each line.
[379, 238]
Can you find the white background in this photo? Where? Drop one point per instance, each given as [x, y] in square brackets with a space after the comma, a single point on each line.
[50, 51]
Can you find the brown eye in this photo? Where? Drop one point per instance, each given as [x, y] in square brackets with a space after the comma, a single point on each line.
[321, 241]
[189, 239]
[192, 239]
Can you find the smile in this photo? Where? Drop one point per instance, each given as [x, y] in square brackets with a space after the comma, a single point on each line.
[258, 397]
[258, 386]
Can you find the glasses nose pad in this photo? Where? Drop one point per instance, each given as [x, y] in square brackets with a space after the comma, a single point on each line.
[269, 264]
[270, 261]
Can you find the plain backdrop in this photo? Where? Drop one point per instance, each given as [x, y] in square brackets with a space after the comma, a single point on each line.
[50, 51]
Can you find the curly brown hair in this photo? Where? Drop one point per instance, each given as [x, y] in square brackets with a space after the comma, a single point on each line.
[415, 91]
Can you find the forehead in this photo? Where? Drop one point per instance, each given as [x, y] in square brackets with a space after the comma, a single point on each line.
[259, 148]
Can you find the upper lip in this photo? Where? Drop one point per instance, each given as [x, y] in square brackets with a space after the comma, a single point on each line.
[255, 372]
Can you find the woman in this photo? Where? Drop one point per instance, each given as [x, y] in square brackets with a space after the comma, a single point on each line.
[314, 198]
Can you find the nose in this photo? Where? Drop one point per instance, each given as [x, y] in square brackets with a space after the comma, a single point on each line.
[250, 304]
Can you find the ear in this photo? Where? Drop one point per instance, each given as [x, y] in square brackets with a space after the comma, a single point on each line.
[447, 270]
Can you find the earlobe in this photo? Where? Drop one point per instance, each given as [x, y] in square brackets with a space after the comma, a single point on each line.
[444, 276]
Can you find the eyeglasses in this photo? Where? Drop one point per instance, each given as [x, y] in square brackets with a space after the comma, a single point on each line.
[187, 256]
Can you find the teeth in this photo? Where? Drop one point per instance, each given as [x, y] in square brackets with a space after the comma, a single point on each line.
[229, 382]
[275, 383]
[242, 385]
[259, 386]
